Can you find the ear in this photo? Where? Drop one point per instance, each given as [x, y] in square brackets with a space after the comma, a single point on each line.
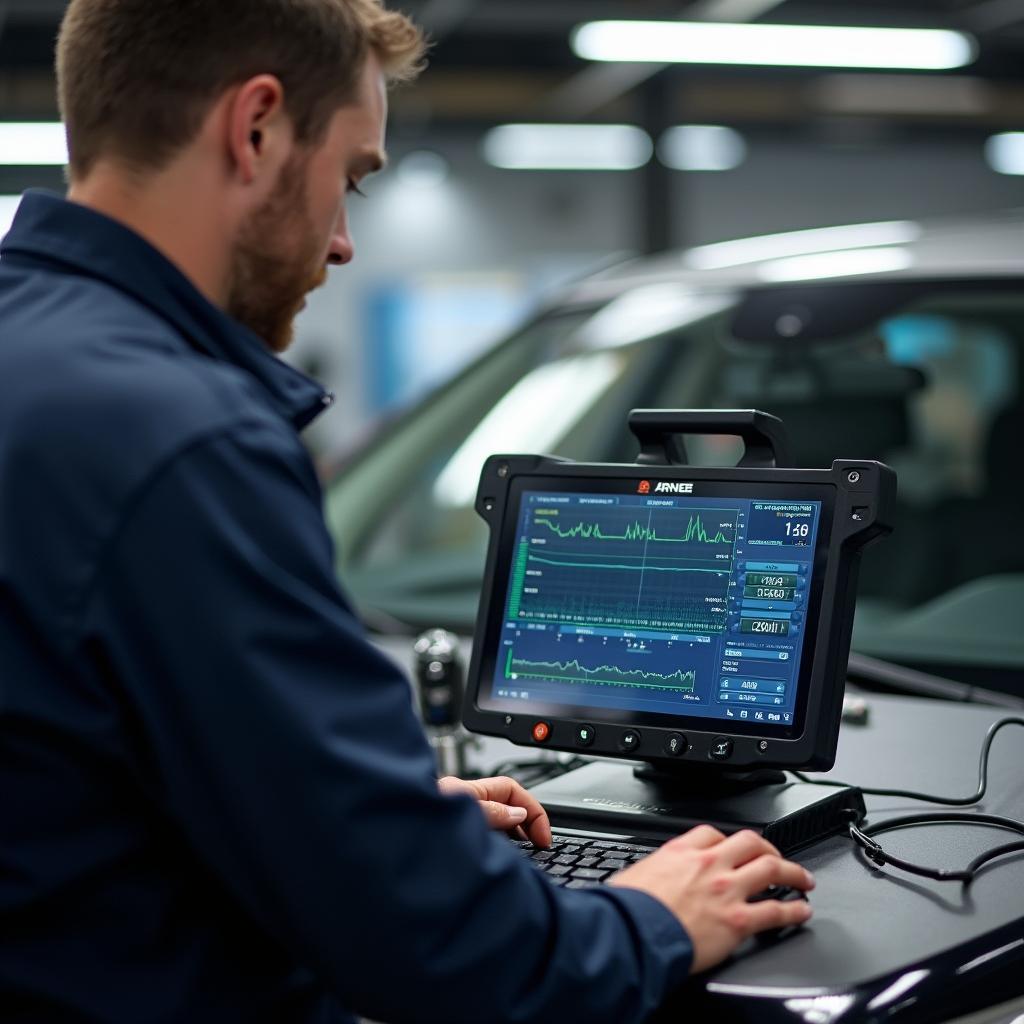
[259, 130]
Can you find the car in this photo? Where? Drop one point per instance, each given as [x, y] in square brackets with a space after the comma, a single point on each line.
[896, 341]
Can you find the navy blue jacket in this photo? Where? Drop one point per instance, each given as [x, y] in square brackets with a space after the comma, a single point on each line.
[216, 802]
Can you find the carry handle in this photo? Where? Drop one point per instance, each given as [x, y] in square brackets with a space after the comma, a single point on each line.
[659, 430]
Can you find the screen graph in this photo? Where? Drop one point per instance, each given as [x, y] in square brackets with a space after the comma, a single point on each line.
[688, 605]
[574, 671]
[661, 567]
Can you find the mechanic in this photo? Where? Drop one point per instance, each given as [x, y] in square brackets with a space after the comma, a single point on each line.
[217, 802]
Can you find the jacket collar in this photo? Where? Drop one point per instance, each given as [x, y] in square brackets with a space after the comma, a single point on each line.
[55, 232]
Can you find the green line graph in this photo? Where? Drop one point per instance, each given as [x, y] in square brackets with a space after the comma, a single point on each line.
[681, 681]
[636, 531]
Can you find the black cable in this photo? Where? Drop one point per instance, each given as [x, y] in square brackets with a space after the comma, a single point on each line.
[863, 837]
[947, 801]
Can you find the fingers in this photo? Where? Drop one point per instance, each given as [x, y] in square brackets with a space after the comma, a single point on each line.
[703, 837]
[767, 870]
[501, 816]
[773, 914]
[512, 799]
[508, 791]
[745, 846]
[450, 785]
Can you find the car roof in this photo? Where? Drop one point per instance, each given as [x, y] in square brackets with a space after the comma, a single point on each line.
[985, 246]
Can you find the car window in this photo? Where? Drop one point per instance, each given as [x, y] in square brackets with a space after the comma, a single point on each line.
[932, 387]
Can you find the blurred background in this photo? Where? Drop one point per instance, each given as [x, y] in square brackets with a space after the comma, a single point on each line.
[455, 243]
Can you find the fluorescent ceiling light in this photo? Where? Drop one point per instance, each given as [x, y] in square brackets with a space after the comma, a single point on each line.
[702, 147]
[8, 207]
[820, 265]
[1005, 152]
[823, 46]
[568, 147]
[33, 144]
[797, 243]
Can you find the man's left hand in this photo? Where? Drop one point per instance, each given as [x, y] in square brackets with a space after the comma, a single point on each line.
[506, 805]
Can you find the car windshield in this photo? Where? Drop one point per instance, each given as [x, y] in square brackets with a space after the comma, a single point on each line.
[927, 378]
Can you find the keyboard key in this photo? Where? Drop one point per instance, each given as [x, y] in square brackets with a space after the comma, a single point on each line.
[557, 870]
[542, 855]
[611, 865]
[587, 862]
[566, 858]
[582, 883]
[589, 873]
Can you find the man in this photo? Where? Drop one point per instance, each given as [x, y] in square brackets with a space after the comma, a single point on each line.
[217, 804]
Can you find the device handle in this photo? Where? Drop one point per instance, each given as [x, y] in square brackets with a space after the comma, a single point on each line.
[659, 430]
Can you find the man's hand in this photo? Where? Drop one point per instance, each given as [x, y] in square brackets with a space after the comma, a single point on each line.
[706, 879]
[505, 804]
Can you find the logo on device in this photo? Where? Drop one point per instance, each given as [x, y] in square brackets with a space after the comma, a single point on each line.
[667, 488]
[644, 488]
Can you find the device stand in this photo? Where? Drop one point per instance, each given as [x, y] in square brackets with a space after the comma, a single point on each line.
[706, 781]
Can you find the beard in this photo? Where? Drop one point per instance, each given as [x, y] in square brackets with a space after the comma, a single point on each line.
[277, 261]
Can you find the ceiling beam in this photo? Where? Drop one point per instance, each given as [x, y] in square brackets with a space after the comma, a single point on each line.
[442, 17]
[36, 10]
[600, 84]
[992, 15]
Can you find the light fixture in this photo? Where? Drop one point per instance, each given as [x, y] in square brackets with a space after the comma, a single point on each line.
[33, 144]
[797, 243]
[702, 147]
[1005, 152]
[821, 265]
[8, 208]
[674, 42]
[568, 147]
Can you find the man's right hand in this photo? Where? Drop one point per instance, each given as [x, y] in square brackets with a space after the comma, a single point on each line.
[706, 879]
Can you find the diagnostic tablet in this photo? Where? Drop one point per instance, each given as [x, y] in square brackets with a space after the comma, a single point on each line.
[670, 614]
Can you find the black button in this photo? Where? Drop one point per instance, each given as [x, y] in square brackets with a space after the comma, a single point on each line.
[721, 748]
[629, 740]
[585, 735]
[675, 744]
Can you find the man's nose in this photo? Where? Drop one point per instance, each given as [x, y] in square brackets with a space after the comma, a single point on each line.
[342, 249]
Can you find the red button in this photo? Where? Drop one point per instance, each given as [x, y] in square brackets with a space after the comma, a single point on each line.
[541, 732]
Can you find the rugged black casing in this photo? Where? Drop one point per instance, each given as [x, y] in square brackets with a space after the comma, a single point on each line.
[865, 493]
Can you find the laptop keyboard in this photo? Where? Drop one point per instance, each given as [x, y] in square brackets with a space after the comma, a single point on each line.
[580, 863]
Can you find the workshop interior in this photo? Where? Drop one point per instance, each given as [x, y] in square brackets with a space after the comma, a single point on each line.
[670, 452]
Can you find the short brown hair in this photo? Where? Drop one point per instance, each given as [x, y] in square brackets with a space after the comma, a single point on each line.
[137, 77]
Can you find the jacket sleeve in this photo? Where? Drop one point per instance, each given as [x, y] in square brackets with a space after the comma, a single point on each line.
[287, 749]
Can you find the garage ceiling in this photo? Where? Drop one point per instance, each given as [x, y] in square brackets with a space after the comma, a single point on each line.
[500, 60]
